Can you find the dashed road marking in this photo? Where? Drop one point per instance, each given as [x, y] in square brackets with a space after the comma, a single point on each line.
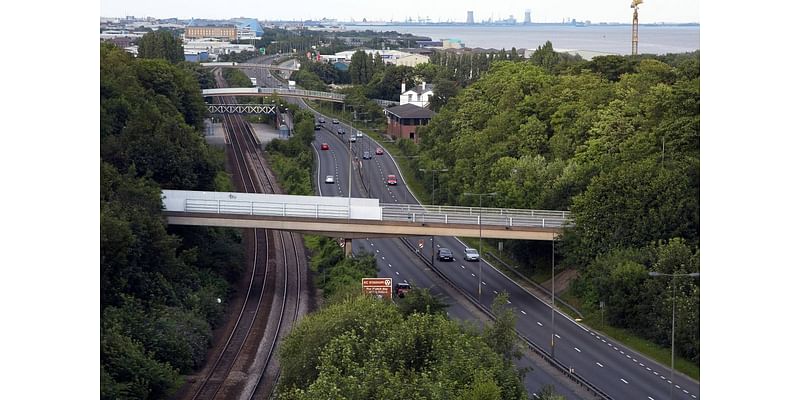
[462, 267]
[623, 380]
[383, 258]
[540, 324]
[473, 274]
[601, 365]
[648, 368]
[641, 365]
[390, 265]
[650, 398]
[684, 391]
[484, 283]
[495, 291]
[577, 349]
[396, 272]
[558, 336]
[523, 312]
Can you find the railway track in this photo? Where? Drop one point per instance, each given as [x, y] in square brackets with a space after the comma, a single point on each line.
[247, 363]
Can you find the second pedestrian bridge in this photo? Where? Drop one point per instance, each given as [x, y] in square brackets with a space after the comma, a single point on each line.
[353, 218]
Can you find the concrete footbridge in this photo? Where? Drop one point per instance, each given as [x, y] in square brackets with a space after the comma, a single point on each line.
[287, 92]
[353, 218]
[294, 67]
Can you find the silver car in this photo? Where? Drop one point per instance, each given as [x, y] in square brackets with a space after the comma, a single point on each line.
[471, 254]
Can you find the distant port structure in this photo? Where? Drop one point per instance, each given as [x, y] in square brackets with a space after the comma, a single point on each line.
[527, 20]
[470, 17]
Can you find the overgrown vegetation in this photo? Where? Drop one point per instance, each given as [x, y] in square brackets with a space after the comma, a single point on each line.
[616, 140]
[161, 288]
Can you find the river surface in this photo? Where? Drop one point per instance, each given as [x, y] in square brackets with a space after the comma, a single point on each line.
[611, 39]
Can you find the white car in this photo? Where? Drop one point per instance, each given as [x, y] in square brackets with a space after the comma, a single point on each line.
[359, 134]
[329, 179]
[471, 254]
[335, 121]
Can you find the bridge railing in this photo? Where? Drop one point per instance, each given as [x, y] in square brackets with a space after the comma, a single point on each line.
[266, 208]
[476, 216]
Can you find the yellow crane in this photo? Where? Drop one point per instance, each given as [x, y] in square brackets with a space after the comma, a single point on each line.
[635, 27]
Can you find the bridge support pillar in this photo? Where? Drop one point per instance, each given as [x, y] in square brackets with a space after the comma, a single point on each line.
[348, 248]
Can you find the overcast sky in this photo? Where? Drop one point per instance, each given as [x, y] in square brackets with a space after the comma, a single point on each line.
[441, 10]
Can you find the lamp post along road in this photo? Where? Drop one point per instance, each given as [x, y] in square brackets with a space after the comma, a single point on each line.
[480, 236]
[674, 295]
[433, 203]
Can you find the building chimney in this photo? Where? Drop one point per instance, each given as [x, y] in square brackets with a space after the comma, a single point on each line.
[423, 85]
[402, 88]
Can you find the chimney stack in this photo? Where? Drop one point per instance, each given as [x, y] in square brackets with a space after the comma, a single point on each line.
[402, 88]
[423, 85]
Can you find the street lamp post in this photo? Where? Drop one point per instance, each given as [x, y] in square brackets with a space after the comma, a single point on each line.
[433, 203]
[480, 236]
[672, 362]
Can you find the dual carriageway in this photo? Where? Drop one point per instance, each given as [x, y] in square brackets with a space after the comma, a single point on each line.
[615, 371]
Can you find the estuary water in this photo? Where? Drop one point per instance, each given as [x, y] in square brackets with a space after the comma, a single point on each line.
[609, 39]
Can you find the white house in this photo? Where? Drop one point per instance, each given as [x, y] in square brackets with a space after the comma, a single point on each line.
[419, 95]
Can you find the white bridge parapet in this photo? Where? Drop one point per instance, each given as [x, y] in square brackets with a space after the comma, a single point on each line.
[271, 204]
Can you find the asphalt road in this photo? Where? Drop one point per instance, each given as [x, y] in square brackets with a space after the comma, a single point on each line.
[616, 370]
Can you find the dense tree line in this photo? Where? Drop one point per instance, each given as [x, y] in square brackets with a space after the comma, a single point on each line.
[161, 44]
[159, 286]
[616, 140]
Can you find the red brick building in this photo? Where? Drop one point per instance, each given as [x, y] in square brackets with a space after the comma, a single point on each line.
[404, 121]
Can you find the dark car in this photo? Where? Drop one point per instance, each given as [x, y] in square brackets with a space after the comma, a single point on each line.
[340, 131]
[317, 127]
[444, 254]
[401, 288]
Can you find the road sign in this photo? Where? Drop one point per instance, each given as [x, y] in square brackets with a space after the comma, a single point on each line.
[377, 286]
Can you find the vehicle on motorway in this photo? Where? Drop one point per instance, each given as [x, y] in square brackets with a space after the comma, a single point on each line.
[378, 151]
[471, 254]
[359, 134]
[391, 180]
[340, 131]
[321, 120]
[367, 155]
[317, 127]
[352, 138]
[329, 179]
[324, 146]
[335, 121]
[444, 254]
[401, 288]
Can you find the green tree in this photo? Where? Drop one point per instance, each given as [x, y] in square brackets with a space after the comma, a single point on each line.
[161, 44]
[421, 301]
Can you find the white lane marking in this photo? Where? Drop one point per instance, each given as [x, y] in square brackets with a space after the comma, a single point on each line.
[648, 368]
[616, 348]
[377, 251]
[473, 274]
[627, 356]
[635, 360]
[495, 291]
[396, 272]
[508, 301]
[577, 349]
[662, 376]
[641, 365]
[390, 265]
[484, 283]
[601, 365]
[604, 341]
[523, 312]
[462, 267]
[650, 398]
[694, 397]
[372, 244]
[677, 386]
[684, 391]
[540, 324]
[558, 336]
[383, 258]
[623, 380]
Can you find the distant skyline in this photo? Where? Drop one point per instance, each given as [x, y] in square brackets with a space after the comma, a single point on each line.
[653, 11]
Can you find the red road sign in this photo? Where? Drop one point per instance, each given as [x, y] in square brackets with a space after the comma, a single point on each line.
[377, 286]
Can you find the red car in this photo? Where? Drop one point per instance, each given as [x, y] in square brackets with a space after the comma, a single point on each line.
[391, 180]
[324, 146]
[378, 151]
